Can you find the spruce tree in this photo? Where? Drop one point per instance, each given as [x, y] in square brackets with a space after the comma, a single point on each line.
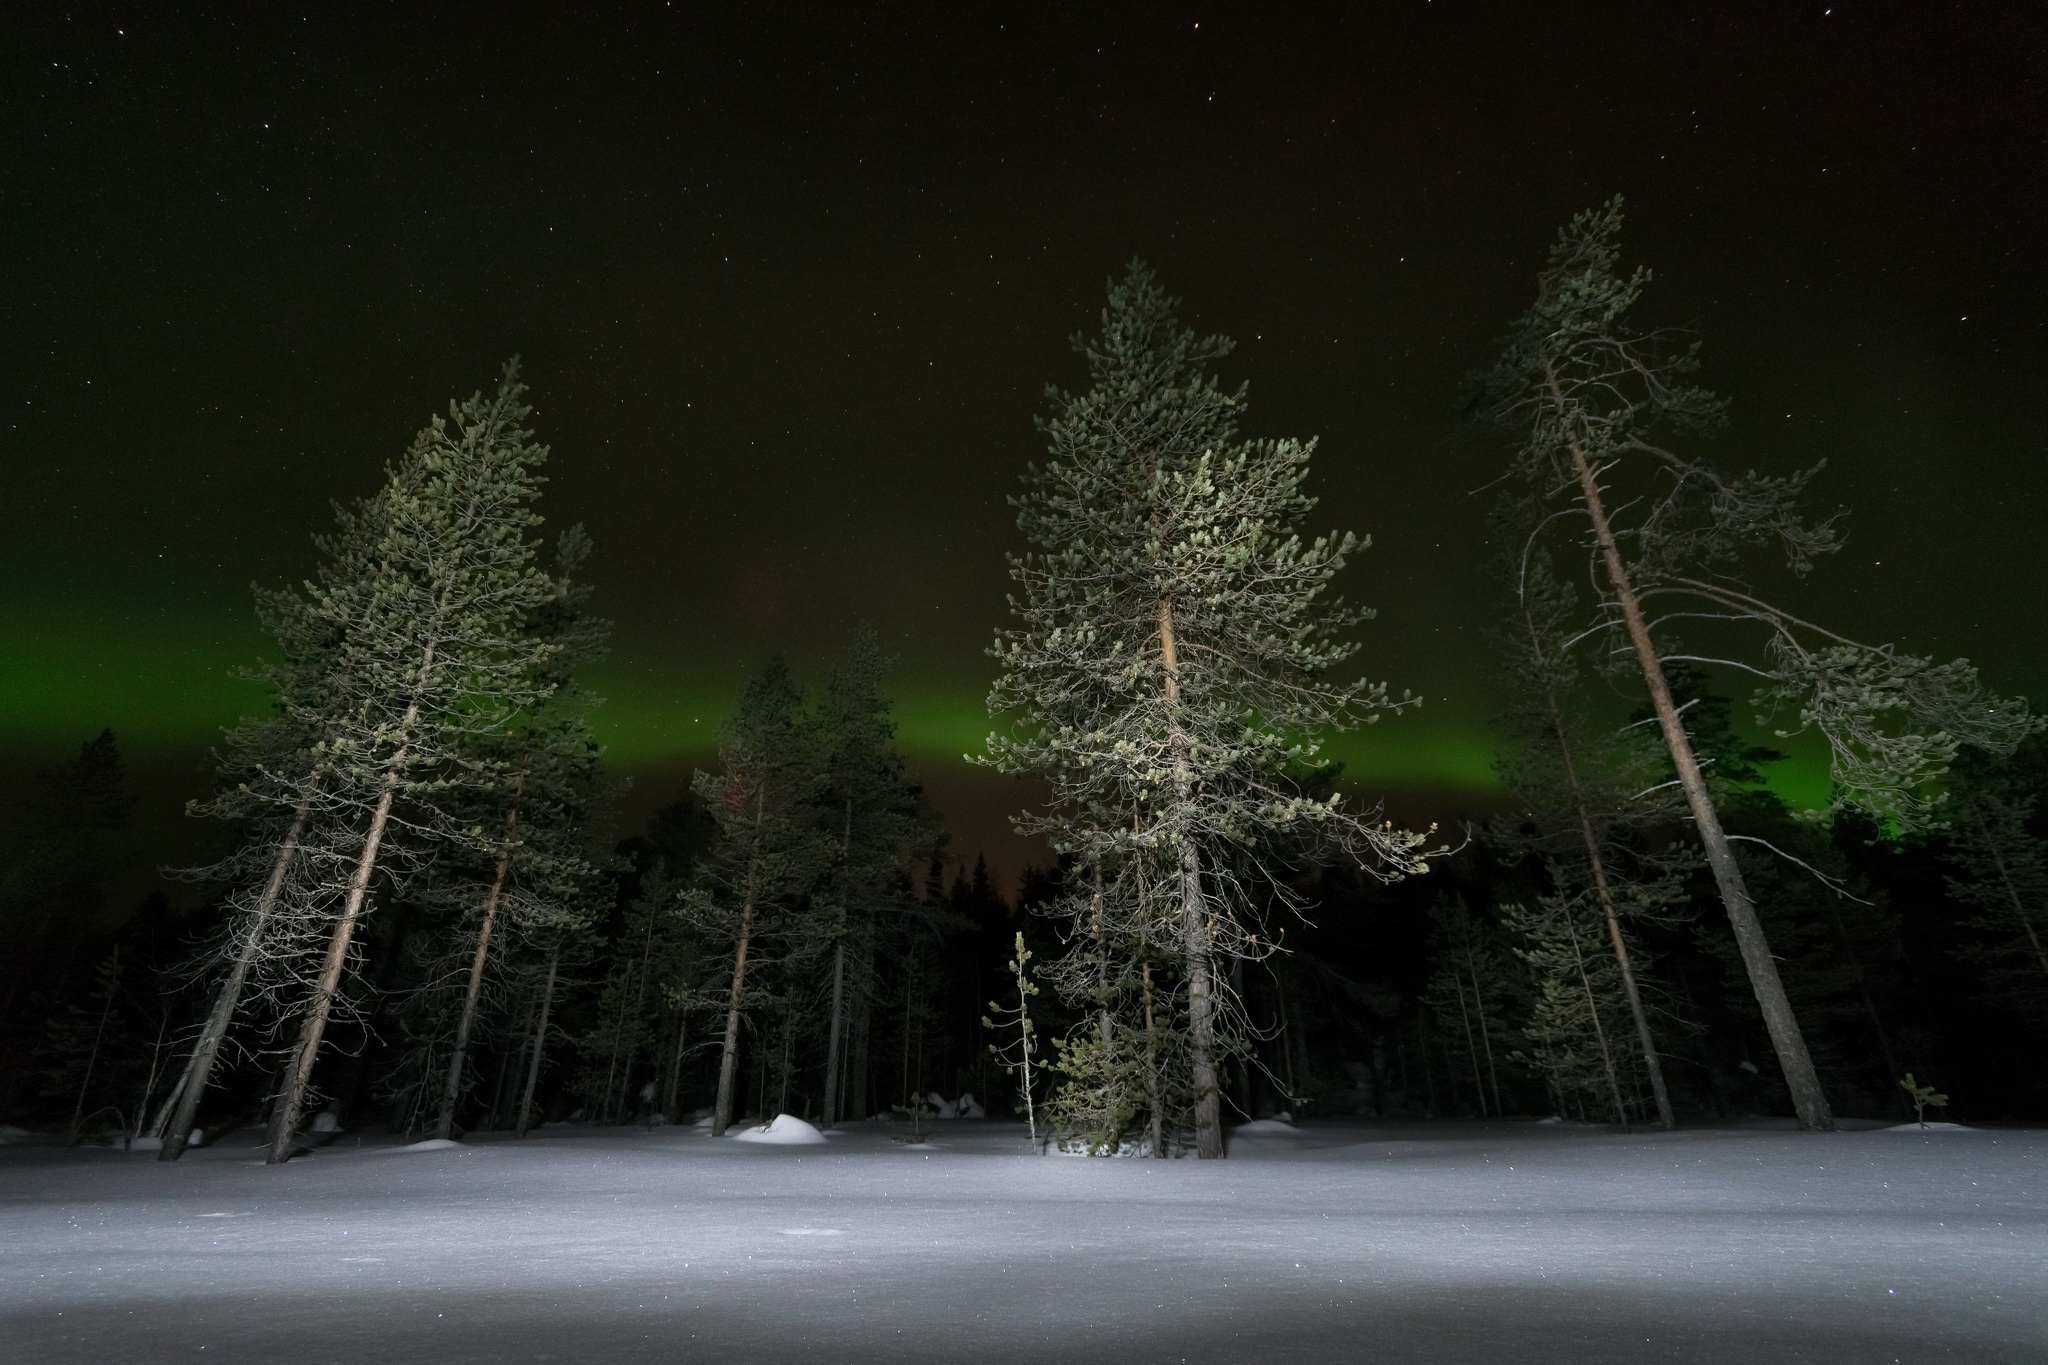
[1175, 659]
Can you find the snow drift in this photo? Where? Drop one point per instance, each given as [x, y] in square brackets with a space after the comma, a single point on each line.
[786, 1131]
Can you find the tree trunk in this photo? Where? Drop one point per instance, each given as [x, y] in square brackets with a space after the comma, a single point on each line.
[909, 992]
[199, 1069]
[1024, 1045]
[284, 1119]
[1287, 1045]
[1808, 1099]
[1471, 1042]
[444, 1127]
[1597, 865]
[1653, 1063]
[788, 1050]
[834, 1043]
[1593, 1015]
[540, 1044]
[1103, 1032]
[835, 1047]
[513, 1069]
[1241, 1073]
[728, 1061]
[672, 1092]
[156, 1064]
[1485, 1035]
[1154, 1099]
[864, 1026]
[1197, 938]
[451, 1091]
[92, 1061]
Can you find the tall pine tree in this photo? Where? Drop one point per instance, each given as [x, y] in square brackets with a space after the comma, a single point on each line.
[1175, 660]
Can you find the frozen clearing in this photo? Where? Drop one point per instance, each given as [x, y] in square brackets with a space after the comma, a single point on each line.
[1511, 1242]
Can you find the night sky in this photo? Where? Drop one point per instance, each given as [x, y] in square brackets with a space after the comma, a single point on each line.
[789, 288]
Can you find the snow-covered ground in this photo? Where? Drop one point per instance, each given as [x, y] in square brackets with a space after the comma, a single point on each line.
[1348, 1241]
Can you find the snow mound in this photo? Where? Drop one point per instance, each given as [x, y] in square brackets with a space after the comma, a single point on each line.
[9, 1134]
[430, 1145]
[145, 1144]
[786, 1131]
[1265, 1128]
[1928, 1128]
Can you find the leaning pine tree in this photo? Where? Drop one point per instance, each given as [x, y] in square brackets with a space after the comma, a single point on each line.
[1174, 658]
[1596, 407]
[429, 589]
[270, 772]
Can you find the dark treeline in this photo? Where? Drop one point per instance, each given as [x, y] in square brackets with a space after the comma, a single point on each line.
[424, 916]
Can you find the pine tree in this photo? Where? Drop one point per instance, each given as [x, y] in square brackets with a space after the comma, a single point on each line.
[1020, 1056]
[1576, 1026]
[562, 936]
[768, 853]
[1174, 661]
[1592, 404]
[875, 816]
[267, 780]
[539, 863]
[428, 591]
[1468, 993]
[651, 949]
[1102, 1065]
[1584, 793]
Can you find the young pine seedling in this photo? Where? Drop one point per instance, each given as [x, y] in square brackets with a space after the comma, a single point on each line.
[1922, 1096]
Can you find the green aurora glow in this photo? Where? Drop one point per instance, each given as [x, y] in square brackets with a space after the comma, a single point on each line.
[166, 695]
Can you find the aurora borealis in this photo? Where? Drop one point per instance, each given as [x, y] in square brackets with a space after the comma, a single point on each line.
[788, 291]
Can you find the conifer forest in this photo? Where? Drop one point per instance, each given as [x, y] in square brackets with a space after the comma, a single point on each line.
[1615, 929]
[428, 915]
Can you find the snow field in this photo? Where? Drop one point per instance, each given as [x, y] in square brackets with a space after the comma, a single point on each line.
[1337, 1241]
